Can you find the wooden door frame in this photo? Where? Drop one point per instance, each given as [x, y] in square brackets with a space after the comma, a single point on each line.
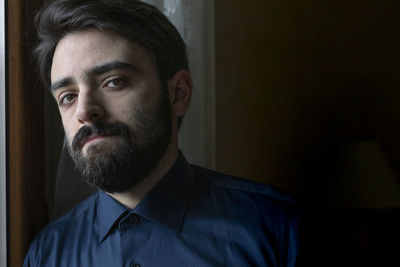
[27, 205]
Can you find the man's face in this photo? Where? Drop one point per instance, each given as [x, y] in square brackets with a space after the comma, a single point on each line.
[116, 115]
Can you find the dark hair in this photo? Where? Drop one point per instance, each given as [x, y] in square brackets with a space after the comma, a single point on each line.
[135, 20]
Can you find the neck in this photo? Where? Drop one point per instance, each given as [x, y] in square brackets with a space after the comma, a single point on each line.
[132, 197]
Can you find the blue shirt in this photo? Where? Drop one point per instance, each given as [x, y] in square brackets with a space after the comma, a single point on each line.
[192, 217]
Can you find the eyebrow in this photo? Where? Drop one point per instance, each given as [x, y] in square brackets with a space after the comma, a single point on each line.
[97, 70]
[61, 83]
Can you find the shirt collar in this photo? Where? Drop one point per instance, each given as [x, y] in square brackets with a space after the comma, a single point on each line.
[109, 211]
[166, 203]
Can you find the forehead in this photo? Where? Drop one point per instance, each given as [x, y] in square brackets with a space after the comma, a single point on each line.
[79, 51]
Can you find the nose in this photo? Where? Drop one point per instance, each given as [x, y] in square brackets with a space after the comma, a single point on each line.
[89, 108]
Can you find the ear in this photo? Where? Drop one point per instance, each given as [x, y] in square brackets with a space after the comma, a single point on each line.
[180, 92]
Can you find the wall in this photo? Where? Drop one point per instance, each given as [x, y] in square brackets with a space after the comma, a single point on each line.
[306, 97]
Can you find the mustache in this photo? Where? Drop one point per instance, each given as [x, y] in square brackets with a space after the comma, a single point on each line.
[100, 128]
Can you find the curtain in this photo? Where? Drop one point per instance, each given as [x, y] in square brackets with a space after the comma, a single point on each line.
[194, 20]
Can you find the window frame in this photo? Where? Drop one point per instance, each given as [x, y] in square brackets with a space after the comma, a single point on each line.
[3, 137]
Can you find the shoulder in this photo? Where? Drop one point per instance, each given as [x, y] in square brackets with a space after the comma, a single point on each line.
[256, 212]
[242, 198]
[215, 181]
[56, 234]
[81, 212]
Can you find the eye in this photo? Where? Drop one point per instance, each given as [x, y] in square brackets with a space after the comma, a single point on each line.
[116, 83]
[67, 99]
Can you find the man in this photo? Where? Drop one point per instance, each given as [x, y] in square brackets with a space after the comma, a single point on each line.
[119, 73]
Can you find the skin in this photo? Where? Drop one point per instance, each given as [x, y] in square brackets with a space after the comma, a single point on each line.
[87, 94]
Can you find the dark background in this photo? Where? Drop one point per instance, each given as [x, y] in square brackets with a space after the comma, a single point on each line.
[308, 100]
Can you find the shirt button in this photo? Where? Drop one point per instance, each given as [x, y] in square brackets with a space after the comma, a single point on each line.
[135, 264]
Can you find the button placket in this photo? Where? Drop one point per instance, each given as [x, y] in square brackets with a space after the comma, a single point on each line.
[128, 221]
[123, 226]
[134, 219]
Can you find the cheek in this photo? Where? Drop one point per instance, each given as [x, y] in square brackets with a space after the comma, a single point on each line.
[69, 129]
[122, 111]
[127, 116]
[68, 135]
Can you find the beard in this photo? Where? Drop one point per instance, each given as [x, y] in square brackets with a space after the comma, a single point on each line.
[128, 161]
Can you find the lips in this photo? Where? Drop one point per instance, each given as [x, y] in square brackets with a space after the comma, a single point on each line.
[91, 138]
[97, 136]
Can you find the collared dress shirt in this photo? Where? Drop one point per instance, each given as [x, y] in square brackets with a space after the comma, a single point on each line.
[192, 217]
